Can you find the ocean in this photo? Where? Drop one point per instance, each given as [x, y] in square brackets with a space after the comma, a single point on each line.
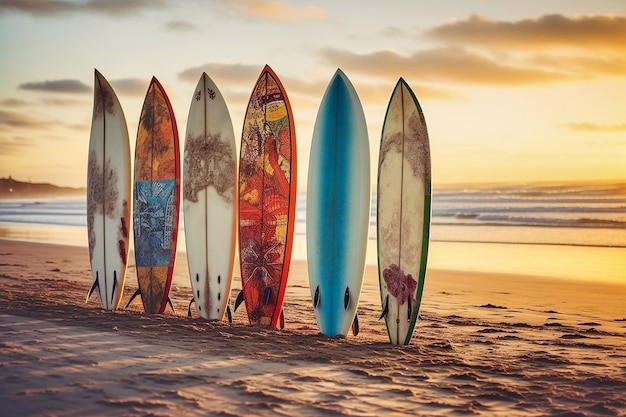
[570, 231]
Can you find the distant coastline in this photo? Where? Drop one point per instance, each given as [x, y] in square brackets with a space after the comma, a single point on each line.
[11, 188]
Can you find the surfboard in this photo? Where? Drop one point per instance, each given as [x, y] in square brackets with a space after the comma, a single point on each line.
[338, 207]
[403, 212]
[267, 200]
[156, 199]
[108, 195]
[209, 200]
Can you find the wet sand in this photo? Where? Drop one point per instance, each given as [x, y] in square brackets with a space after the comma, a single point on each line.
[487, 344]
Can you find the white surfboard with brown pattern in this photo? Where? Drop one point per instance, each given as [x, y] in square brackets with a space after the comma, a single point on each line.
[209, 204]
[108, 195]
[403, 213]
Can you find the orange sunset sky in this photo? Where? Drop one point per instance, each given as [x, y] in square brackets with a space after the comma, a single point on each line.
[511, 91]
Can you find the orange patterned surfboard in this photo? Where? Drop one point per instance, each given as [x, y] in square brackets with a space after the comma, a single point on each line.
[267, 199]
[156, 198]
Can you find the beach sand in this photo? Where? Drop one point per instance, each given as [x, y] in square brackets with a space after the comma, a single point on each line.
[487, 344]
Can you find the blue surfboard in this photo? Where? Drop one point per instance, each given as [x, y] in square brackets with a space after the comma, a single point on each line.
[338, 207]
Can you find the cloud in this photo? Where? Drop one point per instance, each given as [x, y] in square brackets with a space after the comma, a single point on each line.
[13, 102]
[131, 86]
[19, 120]
[481, 51]
[63, 102]
[581, 32]
[395, 32]
[276, 10]
[180, 26]
[58, 86]
[48, 101]
[80, 127]
[15, 145]
[370, 92]
[237, 73]
[236, 82]
[445, 64]
[582, 66]
[382, 93]
[305, 87]
[244, 76]
[114, 8]
[597, 128]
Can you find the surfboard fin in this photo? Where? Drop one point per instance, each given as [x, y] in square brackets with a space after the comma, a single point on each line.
[229, 313]
[385, 308]
[114, 286]
[138, 292]
[239, 300]
[189, 308]
[281, 319]
[267, 295]
[96, 284]
[355, 324]
[316, 298]
[409, 311]
[169, 301]
[346, 298]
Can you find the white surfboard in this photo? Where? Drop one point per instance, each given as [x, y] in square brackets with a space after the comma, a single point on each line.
[209, 199]
[403, 213]
[108, 195]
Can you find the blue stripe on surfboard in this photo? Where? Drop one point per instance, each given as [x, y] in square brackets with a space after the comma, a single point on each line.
[334, 205]
[152, 221]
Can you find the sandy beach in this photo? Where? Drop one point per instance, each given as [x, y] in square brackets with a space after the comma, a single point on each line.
[487, 344]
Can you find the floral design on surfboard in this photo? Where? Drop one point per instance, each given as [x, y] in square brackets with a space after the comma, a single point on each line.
[102, 199]
[264, 200]
[400, 285]
[264, 265]
[155, 229]
[154, 222]
[155, 156]
[208, 162]
[103, 102]
[416, 149]
[265, 174]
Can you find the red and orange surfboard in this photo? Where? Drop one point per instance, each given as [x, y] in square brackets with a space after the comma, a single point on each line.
[156, 199]
[267, 200]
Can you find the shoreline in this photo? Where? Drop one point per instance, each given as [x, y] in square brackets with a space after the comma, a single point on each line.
[444, 287]
[592, 264]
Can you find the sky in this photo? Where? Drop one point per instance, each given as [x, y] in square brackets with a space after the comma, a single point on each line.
[512, 92]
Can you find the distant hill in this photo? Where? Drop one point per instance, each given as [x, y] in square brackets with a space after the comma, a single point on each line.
[10, 188]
